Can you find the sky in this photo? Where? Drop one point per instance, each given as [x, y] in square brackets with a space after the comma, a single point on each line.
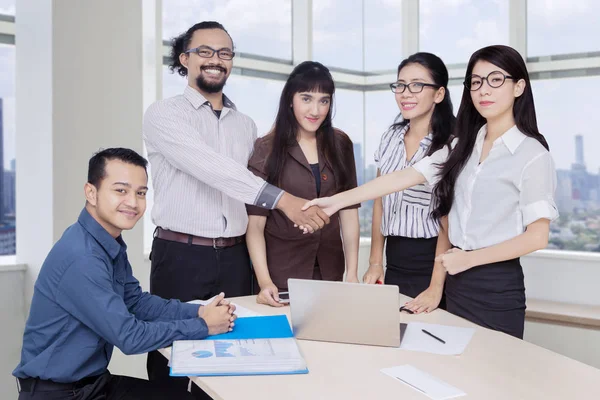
[453, 29]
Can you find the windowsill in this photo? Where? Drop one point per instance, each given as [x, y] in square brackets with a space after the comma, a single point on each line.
[9, 264]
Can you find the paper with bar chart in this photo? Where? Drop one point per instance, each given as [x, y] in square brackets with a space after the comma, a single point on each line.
[236, 357]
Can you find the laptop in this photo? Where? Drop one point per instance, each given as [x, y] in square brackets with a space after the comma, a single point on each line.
[345, 312]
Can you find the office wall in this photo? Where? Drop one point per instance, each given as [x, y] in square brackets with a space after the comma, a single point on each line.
[12, 318]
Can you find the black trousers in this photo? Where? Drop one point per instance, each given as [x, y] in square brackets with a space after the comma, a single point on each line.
[188, 272]
[491, 295]
[410, 264]
[107, 387]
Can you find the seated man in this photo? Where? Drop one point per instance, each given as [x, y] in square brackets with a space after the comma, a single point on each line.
[86, 299]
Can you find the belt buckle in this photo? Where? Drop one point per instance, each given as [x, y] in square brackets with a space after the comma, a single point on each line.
[215, 244]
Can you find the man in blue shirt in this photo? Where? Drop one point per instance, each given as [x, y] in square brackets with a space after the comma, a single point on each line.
[86, 299]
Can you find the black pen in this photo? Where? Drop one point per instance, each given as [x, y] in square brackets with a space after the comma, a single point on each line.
[433, 336]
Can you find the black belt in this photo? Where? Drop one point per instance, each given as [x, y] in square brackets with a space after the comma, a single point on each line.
[37, 384]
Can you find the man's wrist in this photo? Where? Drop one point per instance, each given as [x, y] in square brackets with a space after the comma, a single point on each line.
[283, 201]
[200, 311]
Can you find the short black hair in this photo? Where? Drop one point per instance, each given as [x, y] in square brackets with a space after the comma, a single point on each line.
[97, 164]
[181, 43]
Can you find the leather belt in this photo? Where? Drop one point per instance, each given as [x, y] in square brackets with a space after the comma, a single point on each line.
[31, 384]
[216, 243]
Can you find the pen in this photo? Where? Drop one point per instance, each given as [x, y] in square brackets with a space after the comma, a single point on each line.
[433, 336]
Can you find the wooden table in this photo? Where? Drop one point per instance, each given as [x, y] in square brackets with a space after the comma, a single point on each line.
[494, 366]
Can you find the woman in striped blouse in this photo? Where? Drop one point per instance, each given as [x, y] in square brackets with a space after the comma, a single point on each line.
[402, 219]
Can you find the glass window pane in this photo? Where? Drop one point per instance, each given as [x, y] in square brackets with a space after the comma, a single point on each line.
[574, 146]
[383, 35]
[7, 7]
[561, 27]
[348, 116]
[453, 30]
[337, 34]
[262, 27]
[7, 150]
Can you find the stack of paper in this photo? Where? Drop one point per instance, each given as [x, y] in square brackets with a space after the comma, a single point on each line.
[257, 346]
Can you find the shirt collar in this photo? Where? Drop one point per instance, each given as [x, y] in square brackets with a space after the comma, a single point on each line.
[512, 138]
[197, 100]
[425, 142]
[111, 245]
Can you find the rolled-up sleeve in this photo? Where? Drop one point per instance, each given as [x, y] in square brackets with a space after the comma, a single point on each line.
[86, 292]
[537, 187]
[431, 166]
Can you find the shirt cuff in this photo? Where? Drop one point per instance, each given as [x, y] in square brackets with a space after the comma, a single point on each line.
[189, 310]
[538, 210]
[268, 196]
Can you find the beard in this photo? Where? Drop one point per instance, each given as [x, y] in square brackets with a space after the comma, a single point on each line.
[209, 86]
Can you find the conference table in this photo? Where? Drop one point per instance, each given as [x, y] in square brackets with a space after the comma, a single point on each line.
[493, 366]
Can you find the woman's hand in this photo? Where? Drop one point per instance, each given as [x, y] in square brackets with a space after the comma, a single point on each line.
[269, 295]
[374, 274]
[427, 301]
[330, 205]
[455, 261]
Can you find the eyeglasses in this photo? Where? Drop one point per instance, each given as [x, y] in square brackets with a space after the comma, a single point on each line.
[208, 52]
[413, 87]
[494, 79]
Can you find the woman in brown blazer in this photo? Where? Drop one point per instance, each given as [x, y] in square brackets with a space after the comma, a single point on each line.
[305, 156]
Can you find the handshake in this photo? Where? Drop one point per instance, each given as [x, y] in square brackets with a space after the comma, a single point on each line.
[308, 216]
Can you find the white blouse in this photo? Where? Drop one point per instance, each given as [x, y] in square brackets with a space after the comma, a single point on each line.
[495, 201]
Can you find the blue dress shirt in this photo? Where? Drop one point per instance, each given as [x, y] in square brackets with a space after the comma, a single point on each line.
[86, 301]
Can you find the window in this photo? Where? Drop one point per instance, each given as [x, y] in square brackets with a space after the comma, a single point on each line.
[348, 116]
[453, 30]
[383, 35]
[559, 27]
[261, 27]
[337, 34]
[570, 127]
[7, 150]
[7, 7]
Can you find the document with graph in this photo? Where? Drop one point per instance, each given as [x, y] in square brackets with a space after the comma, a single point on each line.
[237, 357]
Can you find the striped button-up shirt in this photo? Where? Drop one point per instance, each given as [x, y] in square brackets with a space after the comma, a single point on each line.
[405, 213]
[198, 166]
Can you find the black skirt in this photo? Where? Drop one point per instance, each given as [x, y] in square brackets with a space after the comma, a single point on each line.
[491, 295]
[410, 264]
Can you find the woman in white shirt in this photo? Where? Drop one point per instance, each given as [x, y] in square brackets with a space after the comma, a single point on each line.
[496, 188]
[402, 220]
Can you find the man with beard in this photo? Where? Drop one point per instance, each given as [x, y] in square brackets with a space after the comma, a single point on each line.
[198, 146]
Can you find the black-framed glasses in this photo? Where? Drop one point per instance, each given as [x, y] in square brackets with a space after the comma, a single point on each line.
[494, 79]
[208, 52]
[413, 87]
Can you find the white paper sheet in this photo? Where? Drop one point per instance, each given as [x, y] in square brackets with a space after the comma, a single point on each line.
[239, 310]
[430, 386]
[456, 338]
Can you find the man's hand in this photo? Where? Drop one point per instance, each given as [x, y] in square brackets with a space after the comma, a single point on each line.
[373, 274]
[455, 261]
[310, 220]
[218, 315]
[269, 295]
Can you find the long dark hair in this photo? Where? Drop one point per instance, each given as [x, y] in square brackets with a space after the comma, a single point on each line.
[309, 76]
[469, 121]
[442, 119]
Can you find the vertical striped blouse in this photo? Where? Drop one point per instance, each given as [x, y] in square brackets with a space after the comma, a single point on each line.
[405, 213]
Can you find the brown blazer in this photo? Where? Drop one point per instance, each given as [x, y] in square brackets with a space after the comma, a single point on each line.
[291, 254]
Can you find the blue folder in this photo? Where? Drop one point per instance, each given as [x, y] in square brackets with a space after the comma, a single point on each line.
[263, 327]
